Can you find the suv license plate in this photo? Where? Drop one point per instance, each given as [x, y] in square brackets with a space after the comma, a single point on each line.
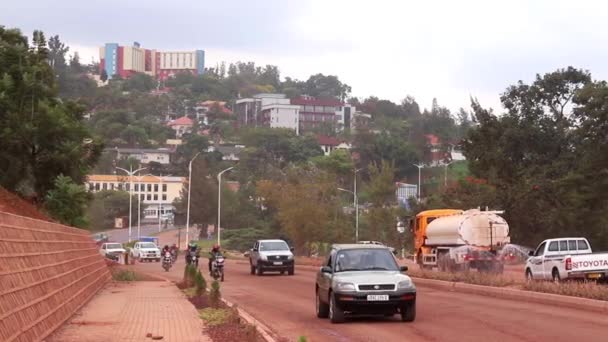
[277, 263]
[377, 298]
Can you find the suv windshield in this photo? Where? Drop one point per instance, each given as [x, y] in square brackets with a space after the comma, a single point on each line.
[113, 246]
[273, 246]
[365, 259]
[147, 245]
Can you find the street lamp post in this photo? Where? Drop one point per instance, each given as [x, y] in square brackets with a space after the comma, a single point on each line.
[356, 202]
[130, 172]
[445, 176]
[139, 178]
[160, 199]
[189, 188]
[419, 166]
[219, 201]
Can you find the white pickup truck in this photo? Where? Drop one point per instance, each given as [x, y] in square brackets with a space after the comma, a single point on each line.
[566, 258]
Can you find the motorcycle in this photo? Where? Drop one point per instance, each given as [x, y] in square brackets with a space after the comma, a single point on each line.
[167, 261]
[192, 258]
[173, 255]
[217, 267]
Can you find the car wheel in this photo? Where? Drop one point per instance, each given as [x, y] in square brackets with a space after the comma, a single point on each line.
[252, 269]
[529, 276]
[282, 272]
[260, 271]
[555, 276]
[291, 271]
[322, 308]
[408, 312]
[336, 314]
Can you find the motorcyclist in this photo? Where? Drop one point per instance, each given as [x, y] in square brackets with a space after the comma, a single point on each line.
[165, 250]
[174, 250]
[215, 251]
[192, 247]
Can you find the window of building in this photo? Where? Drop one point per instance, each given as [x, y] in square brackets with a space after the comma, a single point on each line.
[164, 187]
[128, 187]
[111, 186]
[155, 187]
[119, 186]
[164, 197]
[97, 186]
[148, 197]
[104, 186]
[142, 197]
[155, 197]
[136, 187]
[149, 187]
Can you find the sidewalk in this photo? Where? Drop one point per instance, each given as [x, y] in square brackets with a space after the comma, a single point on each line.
[129, 311]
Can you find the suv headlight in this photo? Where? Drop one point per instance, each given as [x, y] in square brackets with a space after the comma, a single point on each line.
[263, 257]
[345, 287]
[289, 257]
[405, 284]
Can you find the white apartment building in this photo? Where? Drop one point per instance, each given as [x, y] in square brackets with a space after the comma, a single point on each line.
[156, 195]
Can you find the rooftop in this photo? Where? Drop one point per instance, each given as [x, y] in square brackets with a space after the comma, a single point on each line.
[327, 141]
[139, 150]
[301, 101]
[183, 121]
[125, 178]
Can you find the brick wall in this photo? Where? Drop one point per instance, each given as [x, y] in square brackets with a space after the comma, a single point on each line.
[47, 272]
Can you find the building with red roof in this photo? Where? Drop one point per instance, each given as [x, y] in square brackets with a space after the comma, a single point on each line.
[181, 126]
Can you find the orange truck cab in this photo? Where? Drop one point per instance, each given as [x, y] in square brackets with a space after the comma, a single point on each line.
[418, 227]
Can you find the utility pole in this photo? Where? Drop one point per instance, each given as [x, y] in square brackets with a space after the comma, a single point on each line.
[130, 173]
[189, 188]
[219, 201]
[419, 166]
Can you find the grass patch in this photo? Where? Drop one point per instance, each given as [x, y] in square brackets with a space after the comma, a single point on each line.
[214, 317]
[124, 275]
[475, 278]
[574, 289]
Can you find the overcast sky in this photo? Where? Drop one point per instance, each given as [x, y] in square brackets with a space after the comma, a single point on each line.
[450, 50]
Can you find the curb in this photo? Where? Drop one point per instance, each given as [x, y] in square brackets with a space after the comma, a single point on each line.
[520, 295]
[261, 328]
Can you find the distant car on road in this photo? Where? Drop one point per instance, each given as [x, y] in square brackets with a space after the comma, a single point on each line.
[271, 255]
[100, 238]
[363, 279]
[112, 250]
[145, 251]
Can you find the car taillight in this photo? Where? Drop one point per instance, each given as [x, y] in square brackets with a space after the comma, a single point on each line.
[467, 257]
[568, 264]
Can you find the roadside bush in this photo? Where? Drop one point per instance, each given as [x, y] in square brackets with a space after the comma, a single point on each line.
[574, 289]
[214, 317]
[472, 277]
[124, 275]
[215, 295]
[302, 339]
[200, 284]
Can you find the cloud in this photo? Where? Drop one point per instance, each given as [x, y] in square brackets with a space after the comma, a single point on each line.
[450, 50]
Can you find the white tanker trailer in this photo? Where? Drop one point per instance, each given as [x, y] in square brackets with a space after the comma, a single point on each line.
[461, 240]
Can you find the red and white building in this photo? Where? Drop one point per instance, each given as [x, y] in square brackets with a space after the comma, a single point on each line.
[127, 60]
[181, 126]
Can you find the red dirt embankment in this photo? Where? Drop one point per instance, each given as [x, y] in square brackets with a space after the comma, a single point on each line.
[11, 203]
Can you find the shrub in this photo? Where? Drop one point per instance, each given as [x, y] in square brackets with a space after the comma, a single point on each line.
[200, 284]
[214, 317]
[476, 278]
[124, 275]
[302, 339]
[215, 295]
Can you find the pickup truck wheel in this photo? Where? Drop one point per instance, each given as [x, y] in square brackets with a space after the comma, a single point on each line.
[322, 308]
[555, 276]
[336, 314]
[408, 312]
[291, 271]
[529, 276]
[259, 270]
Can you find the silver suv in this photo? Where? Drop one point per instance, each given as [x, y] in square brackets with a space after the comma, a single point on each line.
[364, 279]
[271, 255]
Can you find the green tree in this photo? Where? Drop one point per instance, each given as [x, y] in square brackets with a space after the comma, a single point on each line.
[108, 205]
[104, 75]
[139, 82]
[41, 137]
[67, 202]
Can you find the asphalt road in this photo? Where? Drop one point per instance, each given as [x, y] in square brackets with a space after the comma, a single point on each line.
[122, 235]
[286, 305]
